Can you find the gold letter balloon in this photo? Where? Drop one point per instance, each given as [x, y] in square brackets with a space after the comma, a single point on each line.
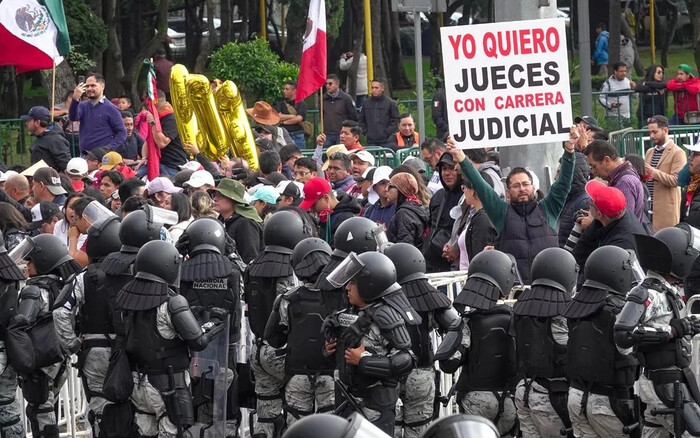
[212, 121]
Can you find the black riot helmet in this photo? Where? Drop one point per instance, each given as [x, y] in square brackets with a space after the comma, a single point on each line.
[158, 261]
[333, 426]
[103, 239]
[408, 260]
[359, 235]
[138, 228]
[310, 256]
[206, 234]
[671, 250]
[285, 228]
[555, 267]
[611, 267]
[373, 272]
[495, 267]
[461, 426]
[46, 251]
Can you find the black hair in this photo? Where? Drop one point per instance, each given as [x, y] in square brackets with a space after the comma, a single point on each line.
[288, 151]
[601, 25]
[599, 149]
[293, 84]
[127, 114]
[637, 162]
[66, 183]
[68, 199]
[651, 71]
[161, 95]
[476, 155]
[333, 77]
[618, 64]
[130, 187]
[134, 203]
[94, 194]
[306, 162]
[343, 158]
[98, 77]
[10, 217]
[380, 81]
[515, 171]
[80, 205]
[114, 175]
[269, 161]
[432, 144]
[181, 204]
[124, 96]
[404, 115]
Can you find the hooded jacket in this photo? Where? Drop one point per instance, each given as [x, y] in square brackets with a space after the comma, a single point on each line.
[408, 224]
[52, 147]
[494, 171]
[347, 207]
[248, 235]
[440, 206]
[600, 56]
[578, 198]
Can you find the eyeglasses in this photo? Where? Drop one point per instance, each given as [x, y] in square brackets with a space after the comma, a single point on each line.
[517, 186]
[300, 173]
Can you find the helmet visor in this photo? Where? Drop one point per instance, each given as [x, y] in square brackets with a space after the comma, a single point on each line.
[157, 215]
[95, 213]
[380, 237]
[693, 235]
[637, 271]
[360, 427]
[345, 271]
[20, 252]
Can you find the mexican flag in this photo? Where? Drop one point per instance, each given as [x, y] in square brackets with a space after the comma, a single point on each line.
[33, 34]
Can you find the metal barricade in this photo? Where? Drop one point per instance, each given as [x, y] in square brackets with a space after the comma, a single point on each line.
[637, 140]
[695, 342]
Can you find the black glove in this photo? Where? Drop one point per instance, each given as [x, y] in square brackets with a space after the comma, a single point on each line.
[695, 322]
[681, 327]
[329, 328]
[182, 243]
[217, 314]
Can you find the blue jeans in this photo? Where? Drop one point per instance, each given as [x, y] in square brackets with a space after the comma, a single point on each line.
[299, 139]
[164, 171]
[331, 139]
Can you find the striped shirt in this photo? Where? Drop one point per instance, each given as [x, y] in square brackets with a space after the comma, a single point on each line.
[655, 157]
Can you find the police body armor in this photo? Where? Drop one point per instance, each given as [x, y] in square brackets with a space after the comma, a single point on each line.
[421, 343]
[95, 316]
[47, 350]
[537, 352]
[491, 362]
[304, 340]
[151, 352]
[593, 362]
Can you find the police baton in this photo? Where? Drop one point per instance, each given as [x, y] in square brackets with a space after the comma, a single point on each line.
[349, 400]
[170, 398]
[676, 411]
[446, 399]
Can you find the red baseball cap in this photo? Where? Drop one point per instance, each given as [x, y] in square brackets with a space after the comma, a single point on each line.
[608, 200]
[313, 190]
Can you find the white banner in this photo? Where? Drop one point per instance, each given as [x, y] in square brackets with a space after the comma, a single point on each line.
[507, 83]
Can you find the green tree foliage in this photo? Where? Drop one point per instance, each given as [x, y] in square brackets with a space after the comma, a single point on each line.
[335, 13]
[79, 61]
[254, 68]
[86, 29]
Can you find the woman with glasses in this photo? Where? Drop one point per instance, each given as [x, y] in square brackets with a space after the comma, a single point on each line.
[652, 94]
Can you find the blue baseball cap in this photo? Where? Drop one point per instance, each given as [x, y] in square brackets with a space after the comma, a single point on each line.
[38, 113]
[265, 193]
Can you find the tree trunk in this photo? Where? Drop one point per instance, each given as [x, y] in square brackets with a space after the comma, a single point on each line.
[114, 68]
[615, 23]
[380, 61]
[392, 49]
[435, 46]
[225, 33]
[244, 9]
[694, 8]
[671, 20]
[296, 25]
[193, 32]
[65, 82]
[133, 71]
[9, 103]
[212, 42]
[627, 32]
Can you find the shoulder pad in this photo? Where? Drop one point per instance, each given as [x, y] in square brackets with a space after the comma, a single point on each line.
[177, 303]
[392, 325]
[638, 294]
[30, 292]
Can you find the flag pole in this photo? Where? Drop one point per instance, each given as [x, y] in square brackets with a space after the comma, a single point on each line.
[53, 90]
[320, 112]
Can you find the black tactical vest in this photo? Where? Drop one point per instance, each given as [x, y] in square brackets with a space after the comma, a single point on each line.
[260, 294]
[217, 292]
[151, 352]
[8, 303]
[592, 359]
[95, 316]
[538, 354]
[421, 344]
[305, 342]
[490, 362]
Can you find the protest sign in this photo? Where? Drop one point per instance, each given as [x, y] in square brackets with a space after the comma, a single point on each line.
[507, 83]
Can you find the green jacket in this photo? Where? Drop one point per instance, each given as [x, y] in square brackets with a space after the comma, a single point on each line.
[496, 208]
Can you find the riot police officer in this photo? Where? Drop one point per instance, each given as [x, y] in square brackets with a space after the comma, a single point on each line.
[17, 354]
[48, 267]
[654, 321]
[601, 374]
[267, 276]
[160, 331]
[487, 350]
[85, 305]
[209, 279]
[418, 392]
[296, 321]
[358, 235]
[541, 337]
[371, 344]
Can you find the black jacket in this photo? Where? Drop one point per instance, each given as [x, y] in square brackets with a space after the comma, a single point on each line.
[576, 200]
[379, 118]
[336, 110]
[440, 205]
[347, 207]
[439, 113]
[619, 233]
[52, 147]
[408, 224]
[247, 234]
[480, 233]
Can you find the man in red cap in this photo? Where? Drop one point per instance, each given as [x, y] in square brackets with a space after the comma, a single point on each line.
[612, 223]
[331, 207]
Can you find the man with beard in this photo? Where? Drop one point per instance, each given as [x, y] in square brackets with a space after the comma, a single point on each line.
[525, 226]
[130, 150]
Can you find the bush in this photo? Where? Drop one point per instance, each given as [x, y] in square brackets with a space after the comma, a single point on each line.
[254, 68]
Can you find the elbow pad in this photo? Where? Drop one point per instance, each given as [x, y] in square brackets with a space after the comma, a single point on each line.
[394, 366]
[634, 308]
[183, 319]
[650, 336]
[449, 345]
[448, 320]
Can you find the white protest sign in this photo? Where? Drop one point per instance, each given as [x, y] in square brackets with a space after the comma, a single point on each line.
[507, 83]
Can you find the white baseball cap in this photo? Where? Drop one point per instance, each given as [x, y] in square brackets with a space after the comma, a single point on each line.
[5, 176]
[200, 178]
[365, 156]
[77, 167]
[192, 165]
[381, 173]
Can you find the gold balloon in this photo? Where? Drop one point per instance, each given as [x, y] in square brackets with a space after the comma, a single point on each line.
[185, 119]
[215, 141]
[232, 112]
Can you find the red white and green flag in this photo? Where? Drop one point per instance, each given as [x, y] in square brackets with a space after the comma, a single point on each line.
[33, 34]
